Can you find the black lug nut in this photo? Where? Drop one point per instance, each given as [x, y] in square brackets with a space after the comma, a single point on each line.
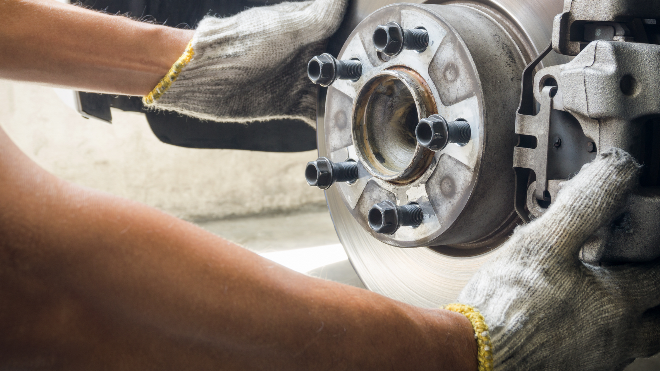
[323, 172]
[386, 217]
[434, 132]
[324, 69]
[391, 39]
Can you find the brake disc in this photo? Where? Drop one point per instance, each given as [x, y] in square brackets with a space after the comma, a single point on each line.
[470, 70]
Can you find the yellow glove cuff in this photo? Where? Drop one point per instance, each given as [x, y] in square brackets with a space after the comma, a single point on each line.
[484, 347]
[171, 76]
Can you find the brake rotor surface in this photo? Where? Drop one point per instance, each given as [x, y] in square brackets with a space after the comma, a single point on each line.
[424, 276]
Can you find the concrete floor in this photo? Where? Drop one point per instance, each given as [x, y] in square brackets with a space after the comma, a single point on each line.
[306, 242]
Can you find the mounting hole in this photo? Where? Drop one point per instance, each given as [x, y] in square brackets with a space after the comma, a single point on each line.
[527, 141]
[628, 85]
[314, 70]
[380, 38]
[375, 218]
[547, 80]
[424, 133]
[545, 203]
[311, 174]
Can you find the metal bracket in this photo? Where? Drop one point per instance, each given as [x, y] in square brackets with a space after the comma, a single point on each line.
[535, 157]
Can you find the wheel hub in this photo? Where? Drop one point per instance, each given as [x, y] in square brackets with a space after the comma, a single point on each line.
[471, 71]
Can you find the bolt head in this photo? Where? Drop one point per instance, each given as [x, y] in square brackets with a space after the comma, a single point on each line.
[319, 173]
[383, 217]
[322, 69]
[433, 132]
[388, 38]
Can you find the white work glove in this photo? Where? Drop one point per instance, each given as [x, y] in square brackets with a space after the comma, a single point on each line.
[253, 66]
[545, 309]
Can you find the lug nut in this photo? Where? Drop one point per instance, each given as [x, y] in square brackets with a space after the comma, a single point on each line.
[386, 217]
[323, 172]
[391, 39]
[324, 69]
[434, 132]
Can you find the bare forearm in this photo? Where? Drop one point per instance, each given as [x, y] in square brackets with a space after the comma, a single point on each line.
[59, 44]
[146, 269]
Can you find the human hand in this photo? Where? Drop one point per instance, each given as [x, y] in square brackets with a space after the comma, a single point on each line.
[252, 66]
[546, 310]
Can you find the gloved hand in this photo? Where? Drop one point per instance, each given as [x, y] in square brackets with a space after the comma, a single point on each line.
[252, 66]
[545, 309]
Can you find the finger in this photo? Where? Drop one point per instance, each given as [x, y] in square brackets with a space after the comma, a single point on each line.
[587, 201]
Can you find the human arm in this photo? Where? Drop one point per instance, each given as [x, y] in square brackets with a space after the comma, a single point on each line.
[48, 42]
[248, 67]
[92, 281]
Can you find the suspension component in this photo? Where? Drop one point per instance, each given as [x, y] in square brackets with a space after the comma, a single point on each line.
[324, 69]
[391, 39]
[323, 173]
[434, 132]
[386, 217]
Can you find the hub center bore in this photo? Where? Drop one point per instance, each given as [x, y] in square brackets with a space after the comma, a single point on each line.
[386, 112]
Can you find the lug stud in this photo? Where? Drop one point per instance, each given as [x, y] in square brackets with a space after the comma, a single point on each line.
[323, 173]
[434, 132]
[386, 217]
[324, 69]
[391, 39]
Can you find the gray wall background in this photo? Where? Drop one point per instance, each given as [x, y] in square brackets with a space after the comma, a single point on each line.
[127, 160]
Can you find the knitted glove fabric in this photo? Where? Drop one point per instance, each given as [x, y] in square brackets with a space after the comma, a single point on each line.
[546, 310]
[252, 66]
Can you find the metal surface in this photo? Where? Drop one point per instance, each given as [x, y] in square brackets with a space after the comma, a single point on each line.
[433, 276]
[605, 97]
[583, 21]
[387, 217]
[323, 173]
[434, 132]
[324, 69]
[464, 190]
[391, 39]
